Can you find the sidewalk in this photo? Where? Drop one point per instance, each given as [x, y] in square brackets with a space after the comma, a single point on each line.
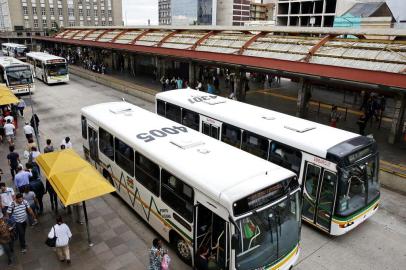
[121, 238]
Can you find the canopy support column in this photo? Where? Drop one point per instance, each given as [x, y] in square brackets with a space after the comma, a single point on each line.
[303, 98]
[398, 119]
[89, 241]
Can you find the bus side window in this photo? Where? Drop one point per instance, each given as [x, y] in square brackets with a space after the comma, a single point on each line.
[124, 156]
[231, 135]
[147, 173]
[285, 156]
[160, 107]
[173, 112]
[255, 144]
[178, 195]
[106, 144]
[84, 127]
[2, 79]
[38, 64]
[190, 119]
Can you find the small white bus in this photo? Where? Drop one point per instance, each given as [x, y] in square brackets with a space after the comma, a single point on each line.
[338, 170]
[16, 75]
[48, 68]
[14, 50]
[194, 191]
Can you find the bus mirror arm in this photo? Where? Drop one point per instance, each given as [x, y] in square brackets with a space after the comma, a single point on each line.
[235, 238]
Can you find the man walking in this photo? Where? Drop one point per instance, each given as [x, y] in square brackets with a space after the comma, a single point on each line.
[6, 240]
[6, 197]
[28, 131]
[18, 210]
[13, 160]
[22, 178]
[21, 106]
[9, 131]
[35, 123]
[67, 143]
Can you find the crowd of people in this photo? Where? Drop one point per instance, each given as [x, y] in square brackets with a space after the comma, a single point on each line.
[21, 203]
[372, 107]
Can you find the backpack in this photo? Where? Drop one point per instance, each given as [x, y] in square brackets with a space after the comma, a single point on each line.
[165, 262]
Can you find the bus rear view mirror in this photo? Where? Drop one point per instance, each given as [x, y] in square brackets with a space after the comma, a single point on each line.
[235, 239]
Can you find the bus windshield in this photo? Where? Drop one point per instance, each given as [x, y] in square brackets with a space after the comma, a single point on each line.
[358, 186]
[19, 75]
[57, 69]
[267, 236]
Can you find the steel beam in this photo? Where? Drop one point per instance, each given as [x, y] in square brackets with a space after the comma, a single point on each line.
[88, 33]
[316, 47]
[200, 40]
[65, 33]
[165, 38]
[74, 35]
[140, 36]
[250, 41]
[119, 35]
[102, 34]
[300, 68]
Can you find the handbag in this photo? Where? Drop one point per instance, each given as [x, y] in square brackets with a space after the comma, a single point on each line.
[51, 242]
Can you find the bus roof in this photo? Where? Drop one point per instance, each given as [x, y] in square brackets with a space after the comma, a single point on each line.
[7, 61]
[44, 56]
[14, 45]
[222, 172]
[303, 134]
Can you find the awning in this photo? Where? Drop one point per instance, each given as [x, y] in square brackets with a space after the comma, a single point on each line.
[6, 96]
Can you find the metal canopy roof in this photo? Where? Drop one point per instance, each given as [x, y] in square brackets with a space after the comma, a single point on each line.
[294, 50]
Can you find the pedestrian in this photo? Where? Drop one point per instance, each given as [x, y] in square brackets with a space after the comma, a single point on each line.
[33, 155]
[210, 88]
[155, 255]
[38, 188]
[29, 146]
[21, 106]
[166, 260]
[52, 196]
[199, 86]
[163, 83]
[13, 160]
[19, 211]
[63, 235]
[67, 143]
[35, 123]
[202, 258]
[22, 178]
[6, 240]
[49, 147]
[334, 116]
[179, 83]
[30, 197]
[173, 83]
[9, 131]
[28, 131]
[362, 123]
[7, 196]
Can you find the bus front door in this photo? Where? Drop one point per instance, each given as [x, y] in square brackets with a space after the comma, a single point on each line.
[319, 191]
[93, 144]
[211, 127]
[211, 232]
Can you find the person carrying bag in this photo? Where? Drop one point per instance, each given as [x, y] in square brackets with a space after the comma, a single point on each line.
[59, 237]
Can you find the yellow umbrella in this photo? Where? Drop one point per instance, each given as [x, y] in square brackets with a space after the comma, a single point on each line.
[60, 161]
[6, 96]
[79, 185]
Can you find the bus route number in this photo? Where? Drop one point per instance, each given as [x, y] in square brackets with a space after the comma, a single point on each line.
[160, 133]
[200, 99]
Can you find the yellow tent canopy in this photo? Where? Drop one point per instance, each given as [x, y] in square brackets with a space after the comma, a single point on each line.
[6, 96]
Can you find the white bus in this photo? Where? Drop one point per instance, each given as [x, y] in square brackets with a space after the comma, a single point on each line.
[16, 75]
[48, 68]
[14, 50]
[195, 191]
[337, 170]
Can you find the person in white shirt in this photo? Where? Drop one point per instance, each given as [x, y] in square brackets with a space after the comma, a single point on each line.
[63, 234]
[9, 131]
[28, 130]
[34, 154]
[67, 143]
[9, 117]
[7, 196]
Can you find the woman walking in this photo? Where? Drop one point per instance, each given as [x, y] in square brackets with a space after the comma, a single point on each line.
[155, 255]
[63, 234]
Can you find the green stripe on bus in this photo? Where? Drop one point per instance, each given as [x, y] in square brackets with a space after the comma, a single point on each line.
[357, 212]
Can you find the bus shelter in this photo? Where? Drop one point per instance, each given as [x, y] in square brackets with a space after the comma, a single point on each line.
[73, 179]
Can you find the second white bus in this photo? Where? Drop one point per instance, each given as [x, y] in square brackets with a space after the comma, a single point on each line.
[16, 75]
[15, 50]
[48, 68]
[195, 191]
[338, 170]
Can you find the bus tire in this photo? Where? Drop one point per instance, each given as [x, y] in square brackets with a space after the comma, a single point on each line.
[181, 247]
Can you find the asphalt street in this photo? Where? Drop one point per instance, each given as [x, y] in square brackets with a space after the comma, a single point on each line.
[379, 243]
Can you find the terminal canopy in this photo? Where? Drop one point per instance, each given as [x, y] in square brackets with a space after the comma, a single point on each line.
[6, 96]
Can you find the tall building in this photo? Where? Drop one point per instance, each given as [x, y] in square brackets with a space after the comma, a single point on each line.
[262, 11]
[164, 12]
[233, 12]
[43, 15]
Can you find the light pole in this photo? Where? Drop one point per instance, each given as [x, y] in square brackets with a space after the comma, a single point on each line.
[36, 130]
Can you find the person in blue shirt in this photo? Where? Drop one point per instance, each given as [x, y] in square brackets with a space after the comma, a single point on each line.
[22, 178]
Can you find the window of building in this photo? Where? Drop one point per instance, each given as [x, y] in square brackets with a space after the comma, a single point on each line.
[173, 112]
[102, 12]
[25, 10]
[110, 23]
[26, 23]
[147, 173]
[43, 11]
[71, 12]
[52, 11]
[88, 12]
[71, 23]
[80, 12]
[54, 25]
[178, 195]
[34, 10]
[255, 144]
[124, 155]
[109, 12]
[35, 23]
[103, 23]
[60, 12]
[44, 24]
[95, 12]
[285, 156]
[190, 119]
[231, 135]
[106, 143]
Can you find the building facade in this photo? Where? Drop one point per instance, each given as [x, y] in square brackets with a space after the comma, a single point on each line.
[260, 11]
[43, 15]
[164, 12]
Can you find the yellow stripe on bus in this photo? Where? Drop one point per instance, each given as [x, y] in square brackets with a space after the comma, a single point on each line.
[287, 258]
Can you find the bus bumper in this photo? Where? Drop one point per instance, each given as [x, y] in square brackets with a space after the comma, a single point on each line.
[340, 227]
[288, 262]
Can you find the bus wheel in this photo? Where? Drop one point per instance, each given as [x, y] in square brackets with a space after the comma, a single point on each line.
[182, 249]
